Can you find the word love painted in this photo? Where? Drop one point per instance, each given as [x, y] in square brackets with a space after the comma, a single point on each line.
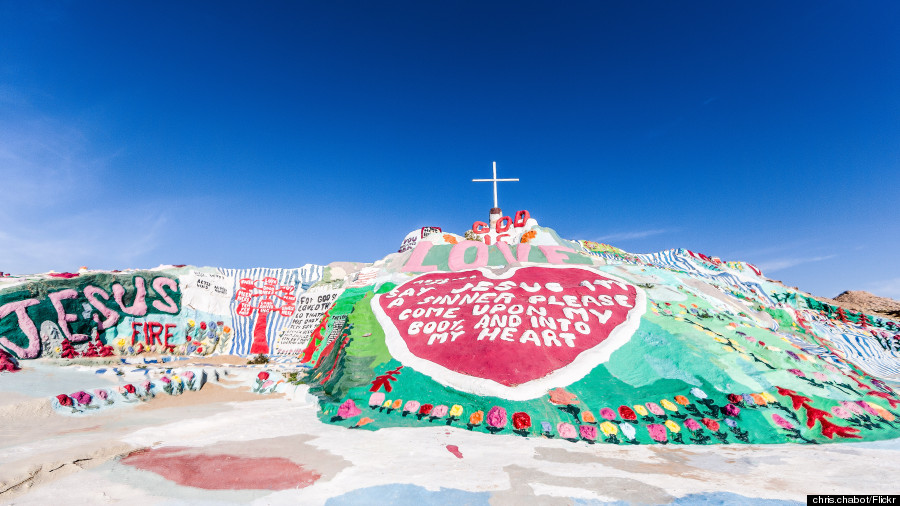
[516, 335]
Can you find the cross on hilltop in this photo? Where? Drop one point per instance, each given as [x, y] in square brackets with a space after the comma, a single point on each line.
[495, 181]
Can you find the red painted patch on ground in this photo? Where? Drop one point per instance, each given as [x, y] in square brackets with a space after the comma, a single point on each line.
[223, 472]
[455, 451]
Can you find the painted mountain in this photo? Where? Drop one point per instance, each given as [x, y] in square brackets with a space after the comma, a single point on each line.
[508, 329]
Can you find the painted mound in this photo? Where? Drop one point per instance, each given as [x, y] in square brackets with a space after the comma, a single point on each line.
[516, 332]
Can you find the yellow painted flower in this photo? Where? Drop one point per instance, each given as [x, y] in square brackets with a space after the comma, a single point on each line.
[640, 409]
[190, 323]
[728, 349]
[120, 342]
[768, 397]
[668, 405]
[456, 411]
[387, 404]
[721, 340]
[672, 426]
[176, 378]
[609, 428]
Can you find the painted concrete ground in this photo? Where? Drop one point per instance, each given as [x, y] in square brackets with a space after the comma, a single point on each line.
[225, 444]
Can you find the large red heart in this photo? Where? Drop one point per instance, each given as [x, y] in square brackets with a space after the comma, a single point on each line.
[515, 335]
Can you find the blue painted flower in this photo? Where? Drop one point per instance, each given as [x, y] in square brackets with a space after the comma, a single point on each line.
[546, 427]
[748, 401]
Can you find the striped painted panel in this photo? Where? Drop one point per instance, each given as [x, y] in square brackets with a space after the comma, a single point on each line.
[300, 279]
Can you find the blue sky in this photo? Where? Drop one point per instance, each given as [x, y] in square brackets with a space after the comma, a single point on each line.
[280, 133]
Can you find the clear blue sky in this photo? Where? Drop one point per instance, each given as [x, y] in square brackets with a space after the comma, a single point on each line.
[280, 133]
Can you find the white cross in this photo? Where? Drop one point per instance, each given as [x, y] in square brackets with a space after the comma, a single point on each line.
[494, 180]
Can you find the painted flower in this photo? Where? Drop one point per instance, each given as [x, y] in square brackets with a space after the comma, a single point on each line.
[456, 411]
[146, 386]
[609, 428]
[608, 414]
[364, 421]
[865, 406]
[263, 376]
[852, 407]
[101, 394]
[655, 409]
[64, 400]
[496, 417]
[696, 392]
[731, 410]
[758, 399]
[797, 372]
[82, 397]
[348, 409]
[672, 426]
[588, 432]
[666, 403]
[710, 424]
[561, 397]
[691, 424]
[191, 323]
[832, 368]
[840, 412]
[411, 406]
[781, 422]
[188, 375]
[439, 411]
[680, 399]
[129, 388]
[376, 399]
[657, 432]
[768, 397]
[641, 410]
[628, 430]
[731, 423]
[387, 404]
[226, 329]
[883, 413]
[566, 430]
[820, 376]
[397, 403]
[627, 413]
[203, 325]
[521, 420]
[476, 418]
[588, 417]
[425, 409]
[266, 385]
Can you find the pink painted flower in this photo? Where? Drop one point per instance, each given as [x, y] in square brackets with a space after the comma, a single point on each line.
[608, 414]
[797, 372]
[865, 406]
[566, 430]
[691, 424]
[165, 380]
[655, 409]
[497, 417]
[439, 411]
[657, 432]
[101, 394]
[852, 407]
[411, 406]
[348, 409]
[840, 412]
[588, 432]
[146, 386]
[832, 368]
[376, 399]
[82, 397]
[188, 375]
[731, 410]
[267, 384]
[781, 422]
[820, 376]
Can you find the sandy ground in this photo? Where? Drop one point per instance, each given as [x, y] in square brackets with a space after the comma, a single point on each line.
[227, 445]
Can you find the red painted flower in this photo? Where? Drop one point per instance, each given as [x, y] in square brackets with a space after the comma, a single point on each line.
[894, 402]
[129, 388]
[735, 398]
[263, 376]
[425, 409]
[710, 424]
[64, 400]
[203, 325]
[627, 413]
[521, 421]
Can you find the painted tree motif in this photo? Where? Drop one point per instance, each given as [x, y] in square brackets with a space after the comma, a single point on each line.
[267, 290]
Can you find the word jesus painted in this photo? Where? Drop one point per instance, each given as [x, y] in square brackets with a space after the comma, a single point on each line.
[514, 335]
